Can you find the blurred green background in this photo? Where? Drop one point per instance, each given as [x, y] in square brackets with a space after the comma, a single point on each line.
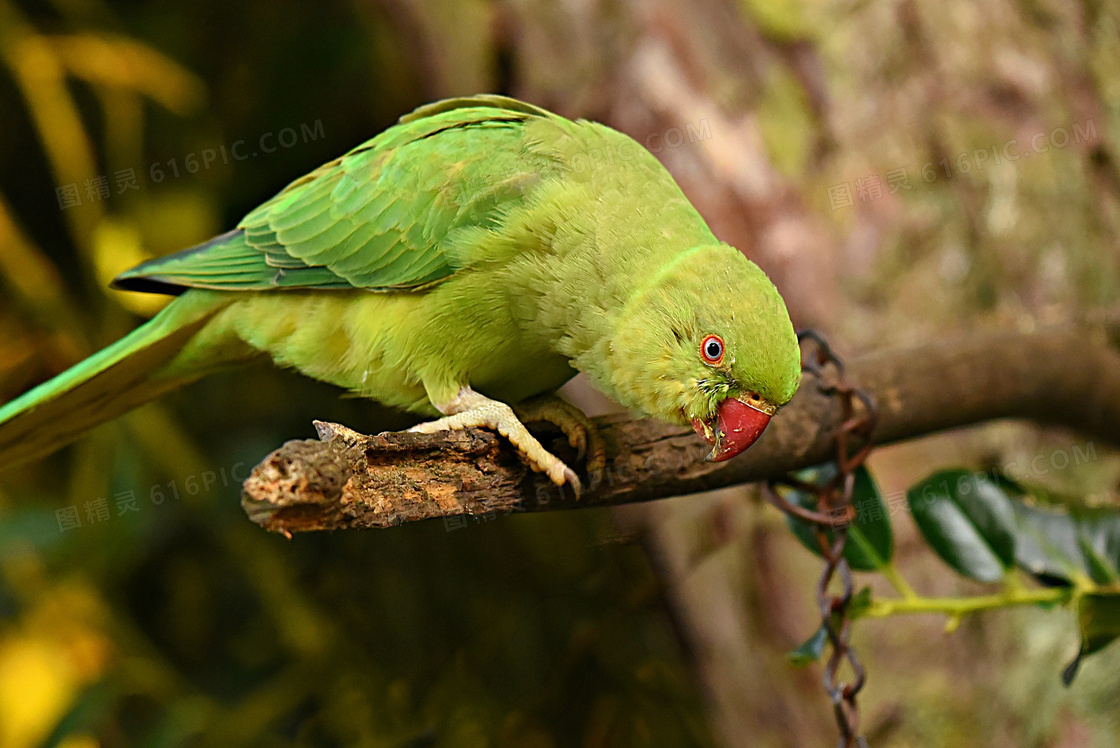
[904, 170]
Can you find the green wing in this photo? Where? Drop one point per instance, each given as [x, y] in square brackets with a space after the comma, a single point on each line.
[384, 216]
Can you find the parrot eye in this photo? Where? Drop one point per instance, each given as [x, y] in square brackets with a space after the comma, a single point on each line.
[711, 349]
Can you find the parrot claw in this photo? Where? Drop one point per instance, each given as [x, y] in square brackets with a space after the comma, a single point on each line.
[558, 473]
[573, 480]
[470, 409]
[582, 434]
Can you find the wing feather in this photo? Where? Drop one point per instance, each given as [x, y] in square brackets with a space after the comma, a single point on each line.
[383, 216]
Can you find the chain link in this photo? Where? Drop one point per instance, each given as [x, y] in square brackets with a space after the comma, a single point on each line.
[832, 515]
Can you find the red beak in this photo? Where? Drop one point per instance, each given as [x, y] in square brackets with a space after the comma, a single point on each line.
[738, 425]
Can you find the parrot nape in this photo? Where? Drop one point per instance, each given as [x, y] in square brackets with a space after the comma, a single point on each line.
[476, 254]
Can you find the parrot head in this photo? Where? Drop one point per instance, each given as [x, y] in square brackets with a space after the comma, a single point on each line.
[707, 341]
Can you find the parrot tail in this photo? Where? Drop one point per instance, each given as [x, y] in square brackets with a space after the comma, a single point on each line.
[140, 367]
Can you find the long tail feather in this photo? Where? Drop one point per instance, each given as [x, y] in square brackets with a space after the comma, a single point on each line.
[128, 373]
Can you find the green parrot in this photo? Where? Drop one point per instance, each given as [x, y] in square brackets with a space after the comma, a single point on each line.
[476, 254]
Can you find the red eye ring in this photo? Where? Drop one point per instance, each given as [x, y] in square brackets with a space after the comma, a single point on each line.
[712, 350]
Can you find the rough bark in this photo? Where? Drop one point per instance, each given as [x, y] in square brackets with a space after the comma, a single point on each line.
[1067, 375]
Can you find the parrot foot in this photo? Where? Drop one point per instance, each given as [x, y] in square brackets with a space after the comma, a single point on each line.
[470, 409]
[581, 432]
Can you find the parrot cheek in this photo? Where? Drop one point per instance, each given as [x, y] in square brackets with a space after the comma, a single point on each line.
[737, 426]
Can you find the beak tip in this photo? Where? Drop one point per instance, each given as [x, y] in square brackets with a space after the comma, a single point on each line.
[740, 426]
[737, 426]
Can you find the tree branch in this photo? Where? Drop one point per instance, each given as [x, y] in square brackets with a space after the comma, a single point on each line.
[1067, 376]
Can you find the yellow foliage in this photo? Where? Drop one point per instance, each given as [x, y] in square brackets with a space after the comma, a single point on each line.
[46, 662]
[79, 741]
[177, 219]
[117, 246]
[37, 683]
[123, 63]
[41, 79]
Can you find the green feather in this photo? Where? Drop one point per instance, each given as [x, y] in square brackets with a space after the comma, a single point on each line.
[508, 247]
[132, 371]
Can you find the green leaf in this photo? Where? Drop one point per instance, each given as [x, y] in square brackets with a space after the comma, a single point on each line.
[870, 544]
[968, 520]
[1047, 547]
[1099, 617]
[1099, 541]
[859, 603]
[1058, 546]
[1100, 571]
[811, 650]
[1010, 486]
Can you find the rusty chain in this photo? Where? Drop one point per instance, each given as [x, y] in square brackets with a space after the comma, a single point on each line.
[832, 514]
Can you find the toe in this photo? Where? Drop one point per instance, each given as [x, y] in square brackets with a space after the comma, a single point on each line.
[564, 474]
[559, 473]
[577, 439]
[573, 479]
[596, 453]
